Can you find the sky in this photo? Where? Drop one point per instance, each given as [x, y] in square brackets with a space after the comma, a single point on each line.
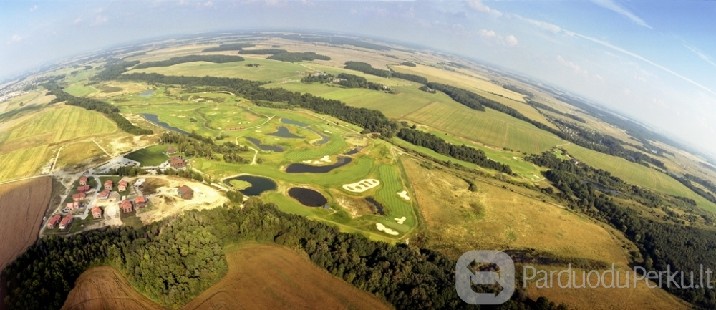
[653, 61]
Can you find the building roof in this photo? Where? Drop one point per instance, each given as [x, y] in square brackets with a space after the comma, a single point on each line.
[79, 196]
[123, 183]
[96, 210]
[83, 178]
[185, 189]
[54, 219]
[66, 220]
[108, 182]
[125, 203]
[140, 199]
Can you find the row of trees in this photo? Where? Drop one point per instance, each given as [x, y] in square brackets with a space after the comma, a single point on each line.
[461, 152]
[368, 69]
[228, 47]
[204, 148]
[344, 79]
[662, 243]
[173, 261]
[190, 58]
[107, 109]
[298, 56]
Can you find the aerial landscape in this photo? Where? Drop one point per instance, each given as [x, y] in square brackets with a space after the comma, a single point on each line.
[252, 165]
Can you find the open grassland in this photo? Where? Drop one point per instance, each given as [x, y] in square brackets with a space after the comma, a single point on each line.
[639, 297]
[268, 70]
[273, 277]
[457, 220]
[79, 153]
[105, 288]
[30, 99]
[460, 79]
[23, 206]
[637, 174]
[489, 127]
[149, 156]
[29, 145]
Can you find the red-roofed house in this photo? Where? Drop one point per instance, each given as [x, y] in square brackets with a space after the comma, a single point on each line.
[83, 188]
[140, 202]
[108, 184]
[73, 205]
[53, 221]
[103, 194]
[96, 212]
[83, 180]
[78, 196]
[177, 162]
[125, 206]
[122, 185]
[66, 221]
[186, 192]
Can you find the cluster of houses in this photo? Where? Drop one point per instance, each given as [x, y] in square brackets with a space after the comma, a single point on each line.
[63, 221]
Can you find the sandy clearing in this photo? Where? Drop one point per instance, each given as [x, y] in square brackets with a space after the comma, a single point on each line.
[166, 202]
[386, 230]
[361, 186]
[404, 195]
[400, 220]
[326, 159]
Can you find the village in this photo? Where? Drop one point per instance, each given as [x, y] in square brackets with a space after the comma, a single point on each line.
[97, 199]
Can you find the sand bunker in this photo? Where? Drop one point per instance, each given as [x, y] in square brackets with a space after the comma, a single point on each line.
[323, 160]
[361, 186]
[386, 230]
[400, 220]
[404, 195]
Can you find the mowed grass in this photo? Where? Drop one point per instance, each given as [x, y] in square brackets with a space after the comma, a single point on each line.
[391, 184]
[637, 174]
[489, 127]
[268, 70]
[29, 145]
[273, 277]
[149, 156]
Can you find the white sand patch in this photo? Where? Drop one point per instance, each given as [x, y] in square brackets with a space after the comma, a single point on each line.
[404, 195]
[361, 186]
[326, 159]
[400, 220]
[258, 130]
[386, 230]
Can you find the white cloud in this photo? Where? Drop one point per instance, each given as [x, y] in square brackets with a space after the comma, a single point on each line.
[701, 55]
[614, 7]
[511, 40]
[491, 35]
[100, 19]
[487, 34]
[34, 8]
[577, 69]
[15, 38]
[477, 5]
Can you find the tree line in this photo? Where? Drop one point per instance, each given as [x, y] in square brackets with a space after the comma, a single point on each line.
[204, 148]
[107, 109]
[661, 243]
[228, 47]
[344, 79]
[368, 69]
[174, 260]
[190, 58]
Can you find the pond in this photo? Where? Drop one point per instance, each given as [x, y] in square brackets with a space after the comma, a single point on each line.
[324, 138]
[154, 119]
[292, 122]
[377, 206]
[352, 151]
[307, 197]
[306, 168]
[265, 147]
[283, 132]
[147, 93]
[259, 184]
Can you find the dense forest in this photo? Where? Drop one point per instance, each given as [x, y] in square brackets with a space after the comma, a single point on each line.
[228, 47]
[542, 106]
[286, 56]
[173, 261]
[344, 79]
[368, 69]
[205, 148]
[191, 58]
[107, 109]
[461, 152]
[664, 242]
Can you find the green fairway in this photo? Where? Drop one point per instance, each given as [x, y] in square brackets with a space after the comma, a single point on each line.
[149, 156]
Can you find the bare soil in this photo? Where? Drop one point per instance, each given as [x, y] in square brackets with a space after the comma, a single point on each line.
[105, 288]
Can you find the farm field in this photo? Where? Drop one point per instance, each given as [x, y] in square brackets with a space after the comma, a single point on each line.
[637, 174]
[23, 205]
[274, 277]
[105, 288]
[268, 70]
[29, 145]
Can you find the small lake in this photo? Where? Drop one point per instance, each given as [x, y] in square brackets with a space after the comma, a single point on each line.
[306, 168]
[147, 93]
[377, 206]
[292, 122]
[352, 151]
[258, 184]
[154, 119]
[324, 138]
[307, 197]
[283, 132]
[265, 147]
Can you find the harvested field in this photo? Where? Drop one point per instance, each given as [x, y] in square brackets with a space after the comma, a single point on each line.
[105, 288]
[273, 277]
[22, 205]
